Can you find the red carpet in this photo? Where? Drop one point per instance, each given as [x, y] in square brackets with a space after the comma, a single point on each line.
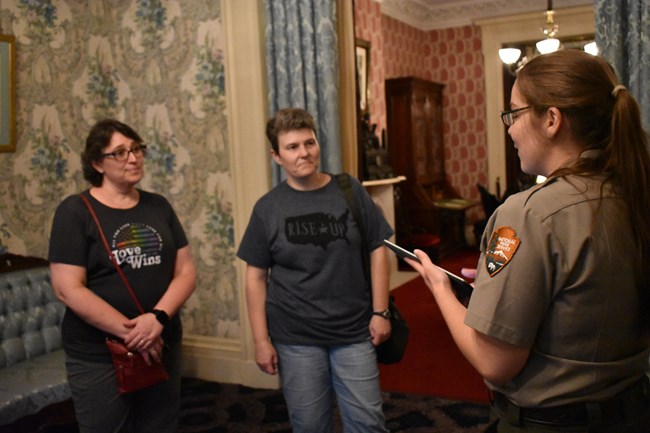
[432, 364]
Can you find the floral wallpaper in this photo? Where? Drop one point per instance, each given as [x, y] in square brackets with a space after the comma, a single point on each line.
[156, 65]
[368, 27]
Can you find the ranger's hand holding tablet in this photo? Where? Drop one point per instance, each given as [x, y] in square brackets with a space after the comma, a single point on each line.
[462, 289]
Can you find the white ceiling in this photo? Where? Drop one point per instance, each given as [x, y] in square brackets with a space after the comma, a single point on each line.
[439, 14]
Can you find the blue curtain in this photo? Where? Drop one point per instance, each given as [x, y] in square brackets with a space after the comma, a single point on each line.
[303, 69]
[623, 37]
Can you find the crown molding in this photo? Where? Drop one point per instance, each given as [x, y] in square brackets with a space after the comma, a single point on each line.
[440, 14]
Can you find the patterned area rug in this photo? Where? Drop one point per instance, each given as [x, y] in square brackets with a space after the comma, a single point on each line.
[209, 407]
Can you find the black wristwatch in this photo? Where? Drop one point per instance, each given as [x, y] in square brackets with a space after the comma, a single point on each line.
[385, 314]
[161, 316]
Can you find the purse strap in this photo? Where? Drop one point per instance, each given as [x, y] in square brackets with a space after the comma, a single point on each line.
[110, 255]
[343, 180]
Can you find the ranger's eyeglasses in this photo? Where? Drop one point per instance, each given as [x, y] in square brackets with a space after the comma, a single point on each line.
[508, 117]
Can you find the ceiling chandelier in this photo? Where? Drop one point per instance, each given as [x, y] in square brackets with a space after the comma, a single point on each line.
[547, 45]
[550, 44]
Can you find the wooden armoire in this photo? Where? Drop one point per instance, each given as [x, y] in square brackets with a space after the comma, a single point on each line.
[415, 147]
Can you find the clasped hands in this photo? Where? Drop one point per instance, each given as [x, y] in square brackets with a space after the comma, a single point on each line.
[144, 336]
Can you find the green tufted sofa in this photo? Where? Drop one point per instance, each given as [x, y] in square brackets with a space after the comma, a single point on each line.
[32, 363]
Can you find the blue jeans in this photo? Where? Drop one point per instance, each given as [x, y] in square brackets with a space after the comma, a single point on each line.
[311, 375]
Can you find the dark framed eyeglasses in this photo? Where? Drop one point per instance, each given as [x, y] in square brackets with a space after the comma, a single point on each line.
[508, 117]
[123, 154]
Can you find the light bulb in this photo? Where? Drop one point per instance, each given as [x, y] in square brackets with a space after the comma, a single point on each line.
[591, 48]
[549, 45]
[509, 55]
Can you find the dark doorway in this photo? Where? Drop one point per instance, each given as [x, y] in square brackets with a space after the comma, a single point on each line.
[516, 180]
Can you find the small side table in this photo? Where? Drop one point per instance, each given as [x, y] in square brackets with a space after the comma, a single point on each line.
[452, 223]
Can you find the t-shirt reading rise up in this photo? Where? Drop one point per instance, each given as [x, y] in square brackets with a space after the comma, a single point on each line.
[317, 292]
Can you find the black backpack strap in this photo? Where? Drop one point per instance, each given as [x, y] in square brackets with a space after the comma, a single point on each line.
[343, 180]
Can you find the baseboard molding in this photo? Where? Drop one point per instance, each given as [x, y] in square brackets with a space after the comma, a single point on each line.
[221, 360]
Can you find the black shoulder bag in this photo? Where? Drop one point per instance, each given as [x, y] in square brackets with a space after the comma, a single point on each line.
[392, 350]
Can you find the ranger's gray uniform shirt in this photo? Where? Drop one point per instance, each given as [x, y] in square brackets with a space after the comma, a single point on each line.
[556, 275]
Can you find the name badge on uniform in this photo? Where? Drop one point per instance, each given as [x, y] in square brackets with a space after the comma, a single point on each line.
[502, 247]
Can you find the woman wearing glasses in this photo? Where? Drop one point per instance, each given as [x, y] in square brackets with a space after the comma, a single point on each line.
[149, 244]
[559, 320]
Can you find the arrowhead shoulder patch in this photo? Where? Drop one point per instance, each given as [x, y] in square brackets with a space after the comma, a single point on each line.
[502, 247]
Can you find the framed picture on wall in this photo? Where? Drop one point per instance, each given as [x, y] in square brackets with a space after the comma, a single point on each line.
[7, 94]
[363, 67]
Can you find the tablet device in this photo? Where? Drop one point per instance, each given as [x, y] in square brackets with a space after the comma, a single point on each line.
[462, 288]
[401, 252]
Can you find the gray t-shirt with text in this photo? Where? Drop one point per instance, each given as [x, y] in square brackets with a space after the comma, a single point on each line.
[317, 292]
